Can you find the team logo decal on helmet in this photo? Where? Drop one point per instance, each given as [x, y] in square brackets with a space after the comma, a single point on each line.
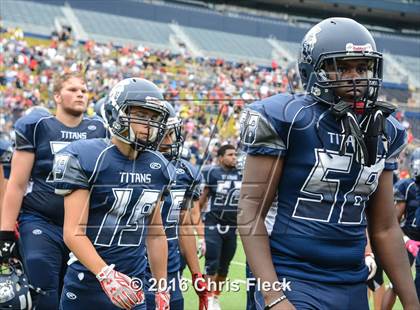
[309, 43]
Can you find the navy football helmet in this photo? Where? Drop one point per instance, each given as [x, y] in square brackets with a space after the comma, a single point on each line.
[39, 110]
[174, 130]
[14, 287]
[339, 39]
[415, 164]
[136, 92]
[99, 107]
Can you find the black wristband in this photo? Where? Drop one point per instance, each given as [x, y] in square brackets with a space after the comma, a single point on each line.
[7, 235]
[275, 302]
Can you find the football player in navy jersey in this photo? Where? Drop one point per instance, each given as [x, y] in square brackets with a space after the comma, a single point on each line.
[180, 198]
[30, 191]
[112, 192]
[329, 154]
[222, 186]
[406, 196]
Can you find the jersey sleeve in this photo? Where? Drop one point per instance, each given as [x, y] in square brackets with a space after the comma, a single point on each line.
[397, 142]
[208, 177]
[265, 126]
[204, 175]
[25, 132]
[68, 172]
[400, 191]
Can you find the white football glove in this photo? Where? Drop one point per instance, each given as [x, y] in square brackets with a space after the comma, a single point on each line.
[371, 264]
[119, 288]
[201, 248]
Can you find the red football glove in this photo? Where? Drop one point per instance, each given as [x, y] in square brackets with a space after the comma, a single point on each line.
[412, 247]
[118, 288]
[162, 300]
[200, 287]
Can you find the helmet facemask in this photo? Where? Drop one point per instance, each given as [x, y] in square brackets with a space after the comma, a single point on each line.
[329, 85]
[350, 83]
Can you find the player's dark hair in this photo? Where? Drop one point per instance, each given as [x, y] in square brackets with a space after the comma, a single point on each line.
[222, 150]
[59, 80]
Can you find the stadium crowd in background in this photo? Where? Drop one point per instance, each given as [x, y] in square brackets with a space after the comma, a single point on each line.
[30, 68]
[194, 84]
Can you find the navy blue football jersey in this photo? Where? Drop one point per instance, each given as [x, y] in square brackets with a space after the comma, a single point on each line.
[224, 187]
[123, 193]
[6, 152]
[406, 190]
[319, 230]
[173, 204]
[44, 135]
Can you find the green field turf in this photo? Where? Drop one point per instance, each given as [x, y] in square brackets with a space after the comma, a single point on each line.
[236, 300]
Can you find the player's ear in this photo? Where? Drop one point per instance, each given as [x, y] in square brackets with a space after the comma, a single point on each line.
[57, 98]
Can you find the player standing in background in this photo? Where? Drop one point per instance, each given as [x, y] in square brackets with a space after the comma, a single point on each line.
[222, 186]
[195, 214]
[179, 198]
[407, 202]
[112, 212]
[30, 191]
[329, 155]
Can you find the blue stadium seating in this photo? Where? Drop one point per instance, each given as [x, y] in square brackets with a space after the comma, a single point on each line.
[111, 25]
[30, 16]
[228, 43]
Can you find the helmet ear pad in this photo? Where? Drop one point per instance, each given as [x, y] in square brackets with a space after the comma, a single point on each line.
[112, 116]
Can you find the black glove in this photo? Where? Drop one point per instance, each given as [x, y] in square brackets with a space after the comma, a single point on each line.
[7, 245]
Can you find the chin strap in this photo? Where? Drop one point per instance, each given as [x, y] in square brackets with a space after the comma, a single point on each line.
[366, 133]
